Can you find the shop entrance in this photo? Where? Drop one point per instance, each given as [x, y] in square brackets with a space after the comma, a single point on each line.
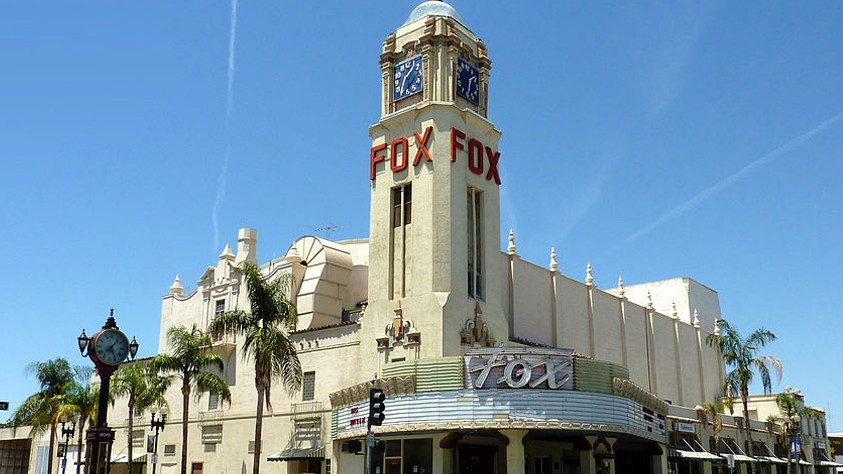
[475, 459]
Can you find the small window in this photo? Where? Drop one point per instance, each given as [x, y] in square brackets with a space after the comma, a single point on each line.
[393, 448]
[408, 201]
[399, 359]
[169, 450]
[252, 446]
[220, 307]
[402, 205]
[308, 386]
[213, 401]
[138, 438]
[327, 466]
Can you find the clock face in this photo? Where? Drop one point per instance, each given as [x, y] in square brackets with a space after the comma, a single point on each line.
[407, 78]
[112, 346]
[468, 81]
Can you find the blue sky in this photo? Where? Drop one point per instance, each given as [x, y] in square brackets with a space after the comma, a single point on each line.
[655, 140]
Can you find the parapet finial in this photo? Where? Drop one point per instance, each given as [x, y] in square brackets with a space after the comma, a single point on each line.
[553, 265]
[589, 278]
[649, 300]
[510, 247]
[621, 291]
[227, 254]
[176, 287]
[673, 313]
[717, 326]
[696, 318]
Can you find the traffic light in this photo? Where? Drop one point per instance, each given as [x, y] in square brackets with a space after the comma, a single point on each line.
[376, 407]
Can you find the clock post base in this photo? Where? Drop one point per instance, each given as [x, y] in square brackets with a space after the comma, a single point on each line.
[98, 455]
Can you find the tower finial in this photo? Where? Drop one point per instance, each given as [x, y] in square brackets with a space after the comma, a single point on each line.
[621, 291]
[589, 278]
[510, 248]
[176, 287]
[553, 265]
[696, 318]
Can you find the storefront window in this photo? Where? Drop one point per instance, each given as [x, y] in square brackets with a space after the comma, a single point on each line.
[418, 456]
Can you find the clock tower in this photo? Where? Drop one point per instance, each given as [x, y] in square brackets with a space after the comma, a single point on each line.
[434, 251]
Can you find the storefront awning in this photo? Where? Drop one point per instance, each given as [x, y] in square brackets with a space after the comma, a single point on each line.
[772, 459]
[700, 455]
[744, 458]
[298, 454]
[123, 458]
[801, 462]
[829, 464]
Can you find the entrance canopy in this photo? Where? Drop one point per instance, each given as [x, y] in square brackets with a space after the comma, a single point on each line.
[298, 454]
[124, 458]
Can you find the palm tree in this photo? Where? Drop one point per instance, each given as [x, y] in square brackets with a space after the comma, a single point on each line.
[265, 341]
[189, 360]
[142, 387]
[41, 410]
[714, 410]
[81, 401]
[742, 355]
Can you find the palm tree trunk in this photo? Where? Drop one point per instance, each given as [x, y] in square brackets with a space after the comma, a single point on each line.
[52, 447]
[131, 433]
[185, 404]
[745, 400]
[82, 421]
[258, 431]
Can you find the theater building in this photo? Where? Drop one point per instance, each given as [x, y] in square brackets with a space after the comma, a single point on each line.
[490, 363]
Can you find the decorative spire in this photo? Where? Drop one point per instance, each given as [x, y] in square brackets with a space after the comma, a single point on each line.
[589, 278]
[227, 254]
[553, 265]
[649, 300]
[696, 318]
[621, 291]
[176, 287]
[673, 313]
[477, 310]
[510, 248]
[717, 326]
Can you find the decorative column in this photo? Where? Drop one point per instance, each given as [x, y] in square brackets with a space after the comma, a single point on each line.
[588, 465]
[649, 339]
[678, 356]
[700, 368]
[589, 286]
[622, 304]
[511, 252]
[515, 451]
[721, 371]
[553, 267]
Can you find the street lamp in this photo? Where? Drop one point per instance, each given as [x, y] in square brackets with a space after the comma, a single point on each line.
[157, 425]
[66, 433]
[793, 432]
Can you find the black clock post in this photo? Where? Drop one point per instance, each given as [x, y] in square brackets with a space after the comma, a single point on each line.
[107, 349]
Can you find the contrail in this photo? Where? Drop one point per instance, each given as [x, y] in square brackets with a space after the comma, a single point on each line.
[728, 181]
[232, 36]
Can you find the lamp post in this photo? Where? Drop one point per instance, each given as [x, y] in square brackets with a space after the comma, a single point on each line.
[157, 425]
[107, 349]
[793, 432]
[66, 433]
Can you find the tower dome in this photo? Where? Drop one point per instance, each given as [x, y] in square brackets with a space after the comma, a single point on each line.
[433, 8]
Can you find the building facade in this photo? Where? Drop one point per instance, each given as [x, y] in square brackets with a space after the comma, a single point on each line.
[490, 363]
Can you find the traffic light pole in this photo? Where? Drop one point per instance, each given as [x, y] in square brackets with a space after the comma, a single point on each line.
[370, 443]
[376, 408]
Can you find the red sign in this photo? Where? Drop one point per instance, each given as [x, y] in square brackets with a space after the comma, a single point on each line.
[398, 153]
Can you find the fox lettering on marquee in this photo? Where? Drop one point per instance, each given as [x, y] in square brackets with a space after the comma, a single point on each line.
[509, 369]
[398, 153]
